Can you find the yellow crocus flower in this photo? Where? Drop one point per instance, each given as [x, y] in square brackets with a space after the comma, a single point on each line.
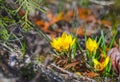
[91, 45]
[62, 43]
[99, 66]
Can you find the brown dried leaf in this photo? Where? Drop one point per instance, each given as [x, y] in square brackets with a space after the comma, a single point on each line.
[114, 54]
[91, 74]
[73, 64]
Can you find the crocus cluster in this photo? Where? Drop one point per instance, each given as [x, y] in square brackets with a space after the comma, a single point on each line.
[62, 43]
[91, 46]
[99, 66]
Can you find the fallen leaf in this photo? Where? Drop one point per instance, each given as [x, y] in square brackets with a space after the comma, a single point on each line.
[84, 13]
[114, 54]
[91, 74]
[21, 12]
[106, 23]
[78, 73]
[69, 15]
[73, 64]
[40, 23]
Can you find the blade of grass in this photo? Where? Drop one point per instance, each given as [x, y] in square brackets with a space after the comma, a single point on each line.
[99, 41]
[79, 47]
[103, 43]
[74, 50]
[85, 34]
[113, 39]
[108, 69]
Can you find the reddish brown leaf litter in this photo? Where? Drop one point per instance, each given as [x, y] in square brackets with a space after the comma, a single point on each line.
[86, 16]
[90, 74]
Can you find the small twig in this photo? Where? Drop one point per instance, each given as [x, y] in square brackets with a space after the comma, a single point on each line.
[48, 72]
[10, 49]
[72, 74]
[61, 69]
[103, 3]
[41, 33]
